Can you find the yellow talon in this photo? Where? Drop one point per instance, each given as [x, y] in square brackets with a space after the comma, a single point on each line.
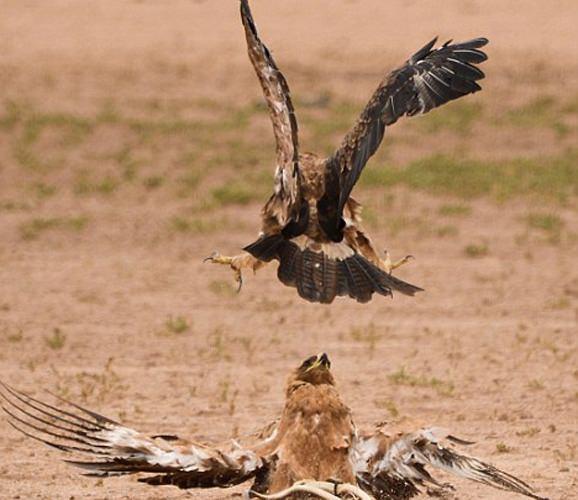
[389, 266]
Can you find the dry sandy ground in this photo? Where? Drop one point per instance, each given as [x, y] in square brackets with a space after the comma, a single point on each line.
[490, 348]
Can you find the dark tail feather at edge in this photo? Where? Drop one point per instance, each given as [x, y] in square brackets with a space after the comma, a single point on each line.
[319, 278]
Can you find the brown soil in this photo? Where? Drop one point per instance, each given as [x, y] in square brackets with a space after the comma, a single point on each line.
[498, 332]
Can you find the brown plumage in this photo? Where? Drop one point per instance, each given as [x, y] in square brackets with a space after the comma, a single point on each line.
[310, 224]
[314, 447]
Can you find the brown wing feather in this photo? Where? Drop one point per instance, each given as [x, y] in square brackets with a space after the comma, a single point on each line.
[395, 466]
[281, 110]
[430, 78]
[107, 448]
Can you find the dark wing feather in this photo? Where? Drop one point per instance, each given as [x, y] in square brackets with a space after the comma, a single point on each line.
[108, 448]
[278, 99]
[430, 78]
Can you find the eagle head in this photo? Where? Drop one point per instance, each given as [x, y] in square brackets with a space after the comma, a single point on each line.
[315, 370]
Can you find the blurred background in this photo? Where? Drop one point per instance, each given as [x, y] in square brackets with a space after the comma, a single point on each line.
[134, 141]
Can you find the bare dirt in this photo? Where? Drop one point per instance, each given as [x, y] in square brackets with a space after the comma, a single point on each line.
[92, 307]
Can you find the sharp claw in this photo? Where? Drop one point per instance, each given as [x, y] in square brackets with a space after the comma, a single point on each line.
[211, 257]
[240, 282]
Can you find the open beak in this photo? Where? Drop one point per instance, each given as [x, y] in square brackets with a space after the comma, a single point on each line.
[322, 361]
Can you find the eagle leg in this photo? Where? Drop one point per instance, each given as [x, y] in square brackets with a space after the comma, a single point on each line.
[237, 264]
[388, 266]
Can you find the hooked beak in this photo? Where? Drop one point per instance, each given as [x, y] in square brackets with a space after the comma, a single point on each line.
[322, 361]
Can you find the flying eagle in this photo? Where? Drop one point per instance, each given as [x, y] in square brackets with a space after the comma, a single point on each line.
[313, 448]
[311, 224]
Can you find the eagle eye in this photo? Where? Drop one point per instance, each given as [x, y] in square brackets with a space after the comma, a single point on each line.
[308, 362]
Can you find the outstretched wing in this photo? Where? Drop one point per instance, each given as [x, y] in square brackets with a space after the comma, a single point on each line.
[395, 467]
[430, 78]
[103, 447]
[276, 93]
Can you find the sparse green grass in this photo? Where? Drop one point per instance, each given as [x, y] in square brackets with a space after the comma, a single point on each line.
[198, 225]
[153, 182]
[177, 324]
[447, 230]
[530, 432]
[367, 335]
[458, 117]
[57, 340]
[34, 228]
[16, 336]
[189, 182]
[455, 210]
[43, 141]
[72, 131]
[100, 385]
[43, 190]
[559, 304]
[476, 250]
[218, 344]
[389, 405]
[553, 177]
[549, 223]
[86, 185]
[235, 193]
[402, 377]
[545, 221]
[223, 288]
[544, 112]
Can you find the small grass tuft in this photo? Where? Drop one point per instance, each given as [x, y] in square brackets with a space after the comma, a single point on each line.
[402, 377]
[16, 336]
[223, 288]
[447, 230]
[503, 448]
[234, 193]
[542, 112]
[530, 432]
[153, 182]
[476, 251]
[33, 229]
[455, 210]
[84, 185]
[43, 190]
[536, 385]
[196, 225]
[389, 405]
[367, 335]
[57, 340]
[545, 221]
[176, 324]
[551, 224]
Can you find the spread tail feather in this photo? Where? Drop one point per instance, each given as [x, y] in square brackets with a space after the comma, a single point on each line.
[319, 277]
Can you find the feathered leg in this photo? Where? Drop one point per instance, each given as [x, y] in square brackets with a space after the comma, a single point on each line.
[237, 264]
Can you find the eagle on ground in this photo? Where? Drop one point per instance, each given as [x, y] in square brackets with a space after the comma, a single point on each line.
[311, 225]
[313, 449]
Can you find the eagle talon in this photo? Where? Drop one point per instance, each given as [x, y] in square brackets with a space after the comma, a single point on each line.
[211, 258]
[391, 266]
[239, 280]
